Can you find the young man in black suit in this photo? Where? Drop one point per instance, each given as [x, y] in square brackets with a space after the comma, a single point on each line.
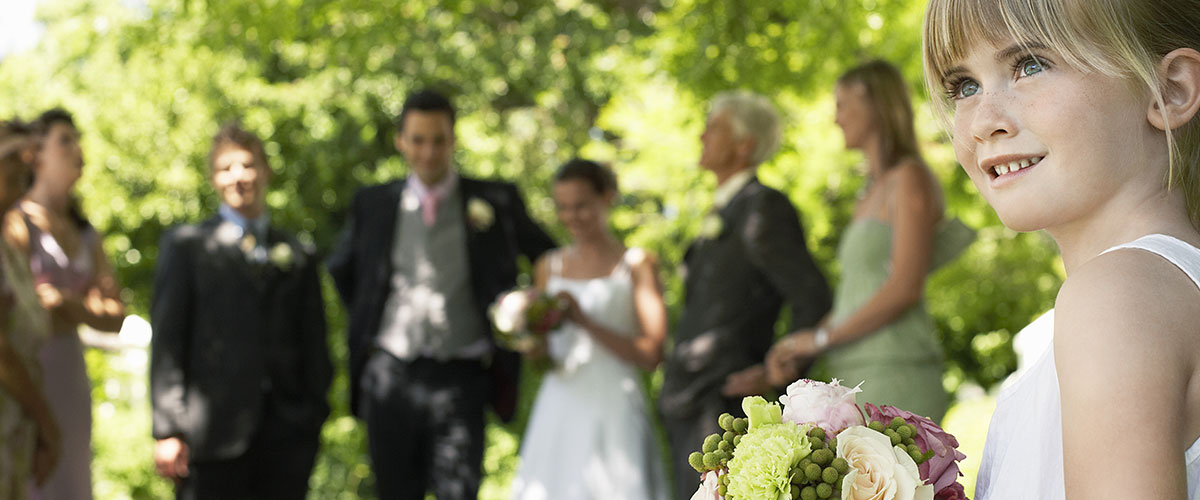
[239, 364]
[419, 263]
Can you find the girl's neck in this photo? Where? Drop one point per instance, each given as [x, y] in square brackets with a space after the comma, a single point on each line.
[58, 203]
[1117, 223]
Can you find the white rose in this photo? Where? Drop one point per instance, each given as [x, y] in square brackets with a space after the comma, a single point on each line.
[281, 255]
[878, 470]
[508, 314]
[480, 213]
[708, 488]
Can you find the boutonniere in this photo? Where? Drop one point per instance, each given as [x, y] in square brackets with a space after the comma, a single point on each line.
[282, 256]
[480, 214]
[711, 226]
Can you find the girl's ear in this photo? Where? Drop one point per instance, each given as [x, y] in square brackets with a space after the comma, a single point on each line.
[1180, 70]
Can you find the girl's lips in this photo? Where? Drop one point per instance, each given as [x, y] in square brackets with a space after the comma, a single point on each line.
[1000, 180]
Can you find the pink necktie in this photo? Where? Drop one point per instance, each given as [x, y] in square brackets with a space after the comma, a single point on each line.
[429, 205]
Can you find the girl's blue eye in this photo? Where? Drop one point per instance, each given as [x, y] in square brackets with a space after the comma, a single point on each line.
[968, 88]
[1030, 67]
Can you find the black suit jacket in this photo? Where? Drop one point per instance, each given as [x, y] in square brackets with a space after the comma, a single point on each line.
[735, 286]
[232, 338]
[362, 268]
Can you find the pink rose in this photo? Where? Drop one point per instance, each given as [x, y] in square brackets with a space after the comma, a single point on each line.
[942, 470]
[953, 492]
[828, 406]
[708, 488]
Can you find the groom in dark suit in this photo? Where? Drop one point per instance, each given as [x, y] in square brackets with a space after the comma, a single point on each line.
[750, 258]
[239, 365]
[419, 263]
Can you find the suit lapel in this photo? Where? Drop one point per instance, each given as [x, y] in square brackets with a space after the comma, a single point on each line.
[389, 216]
[468, 189]
[272, 272]
[699, 248]
[229, 250]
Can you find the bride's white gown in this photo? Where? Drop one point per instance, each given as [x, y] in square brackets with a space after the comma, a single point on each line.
[589, 435]
[1023, 457]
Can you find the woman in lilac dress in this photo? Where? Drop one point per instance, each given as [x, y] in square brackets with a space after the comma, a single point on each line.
[76, 285]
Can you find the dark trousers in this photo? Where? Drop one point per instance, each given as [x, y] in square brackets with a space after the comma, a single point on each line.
[686, 434]
[276, 466]
[425, 423]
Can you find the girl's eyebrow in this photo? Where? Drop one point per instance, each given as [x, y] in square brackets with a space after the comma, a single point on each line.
[1001, 56]
[1018, 48]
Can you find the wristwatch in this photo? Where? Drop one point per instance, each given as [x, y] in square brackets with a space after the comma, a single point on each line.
[821, 338]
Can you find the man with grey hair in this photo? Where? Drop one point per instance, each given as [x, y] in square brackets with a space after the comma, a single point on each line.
[749, 258]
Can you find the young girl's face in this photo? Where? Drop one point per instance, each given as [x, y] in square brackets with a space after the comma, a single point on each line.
[1047, 144]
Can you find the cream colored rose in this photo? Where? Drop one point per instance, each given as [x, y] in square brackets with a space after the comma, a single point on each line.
[480, 213]
[878, 470]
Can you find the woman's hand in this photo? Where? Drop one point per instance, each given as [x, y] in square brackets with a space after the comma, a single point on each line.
[49, 295]
[573, 311]
[785, 357]
[47, 450]
[62, 303]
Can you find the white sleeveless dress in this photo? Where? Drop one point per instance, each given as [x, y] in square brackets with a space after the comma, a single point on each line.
[589, 434]
[1023, 457]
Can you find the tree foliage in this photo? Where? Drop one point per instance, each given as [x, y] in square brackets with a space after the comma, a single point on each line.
[622, 81]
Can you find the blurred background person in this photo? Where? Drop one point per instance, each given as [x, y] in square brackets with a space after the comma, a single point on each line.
[239, 363]
[750, 259]
[589, 434]
[75, 285]
[879, 331]
[29, 436]
[420, 260]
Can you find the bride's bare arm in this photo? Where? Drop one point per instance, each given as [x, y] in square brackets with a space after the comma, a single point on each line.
[644, 349]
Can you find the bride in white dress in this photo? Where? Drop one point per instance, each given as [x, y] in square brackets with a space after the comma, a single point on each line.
[1079, 117]
[589, 434]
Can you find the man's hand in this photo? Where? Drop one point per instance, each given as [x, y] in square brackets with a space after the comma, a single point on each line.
[171, 458]
[751, 381]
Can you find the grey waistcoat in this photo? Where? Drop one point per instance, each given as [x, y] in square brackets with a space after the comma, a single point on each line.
[430, 310]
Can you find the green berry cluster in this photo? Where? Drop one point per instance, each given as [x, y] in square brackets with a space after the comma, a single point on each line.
[819, 476]
[901, 433]
[718, 448]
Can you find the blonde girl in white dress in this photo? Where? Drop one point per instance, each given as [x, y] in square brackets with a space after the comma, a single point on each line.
[1079, 117]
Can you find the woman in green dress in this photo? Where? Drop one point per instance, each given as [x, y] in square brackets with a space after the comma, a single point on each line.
[29, 437]
[878, 331]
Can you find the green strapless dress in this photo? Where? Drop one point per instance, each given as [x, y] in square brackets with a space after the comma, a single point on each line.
[901, 363]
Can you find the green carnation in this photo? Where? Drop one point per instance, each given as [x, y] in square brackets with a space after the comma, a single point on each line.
[762, 465]
[761, 412]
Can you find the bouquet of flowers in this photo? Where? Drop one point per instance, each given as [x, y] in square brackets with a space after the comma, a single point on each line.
[522, 318]
[818, 445]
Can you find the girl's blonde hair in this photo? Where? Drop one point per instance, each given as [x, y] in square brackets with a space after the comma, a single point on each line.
[1117, 38]
[884, 87]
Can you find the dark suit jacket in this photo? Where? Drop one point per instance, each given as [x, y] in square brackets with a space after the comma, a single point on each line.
[736, 284]
[234, 341]
[362, 268]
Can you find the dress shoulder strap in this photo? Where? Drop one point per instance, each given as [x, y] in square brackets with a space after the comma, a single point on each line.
[556, 264]
[1178, 252]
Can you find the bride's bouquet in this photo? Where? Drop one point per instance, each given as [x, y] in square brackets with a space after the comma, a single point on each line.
[523, 317]
[818, 445]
